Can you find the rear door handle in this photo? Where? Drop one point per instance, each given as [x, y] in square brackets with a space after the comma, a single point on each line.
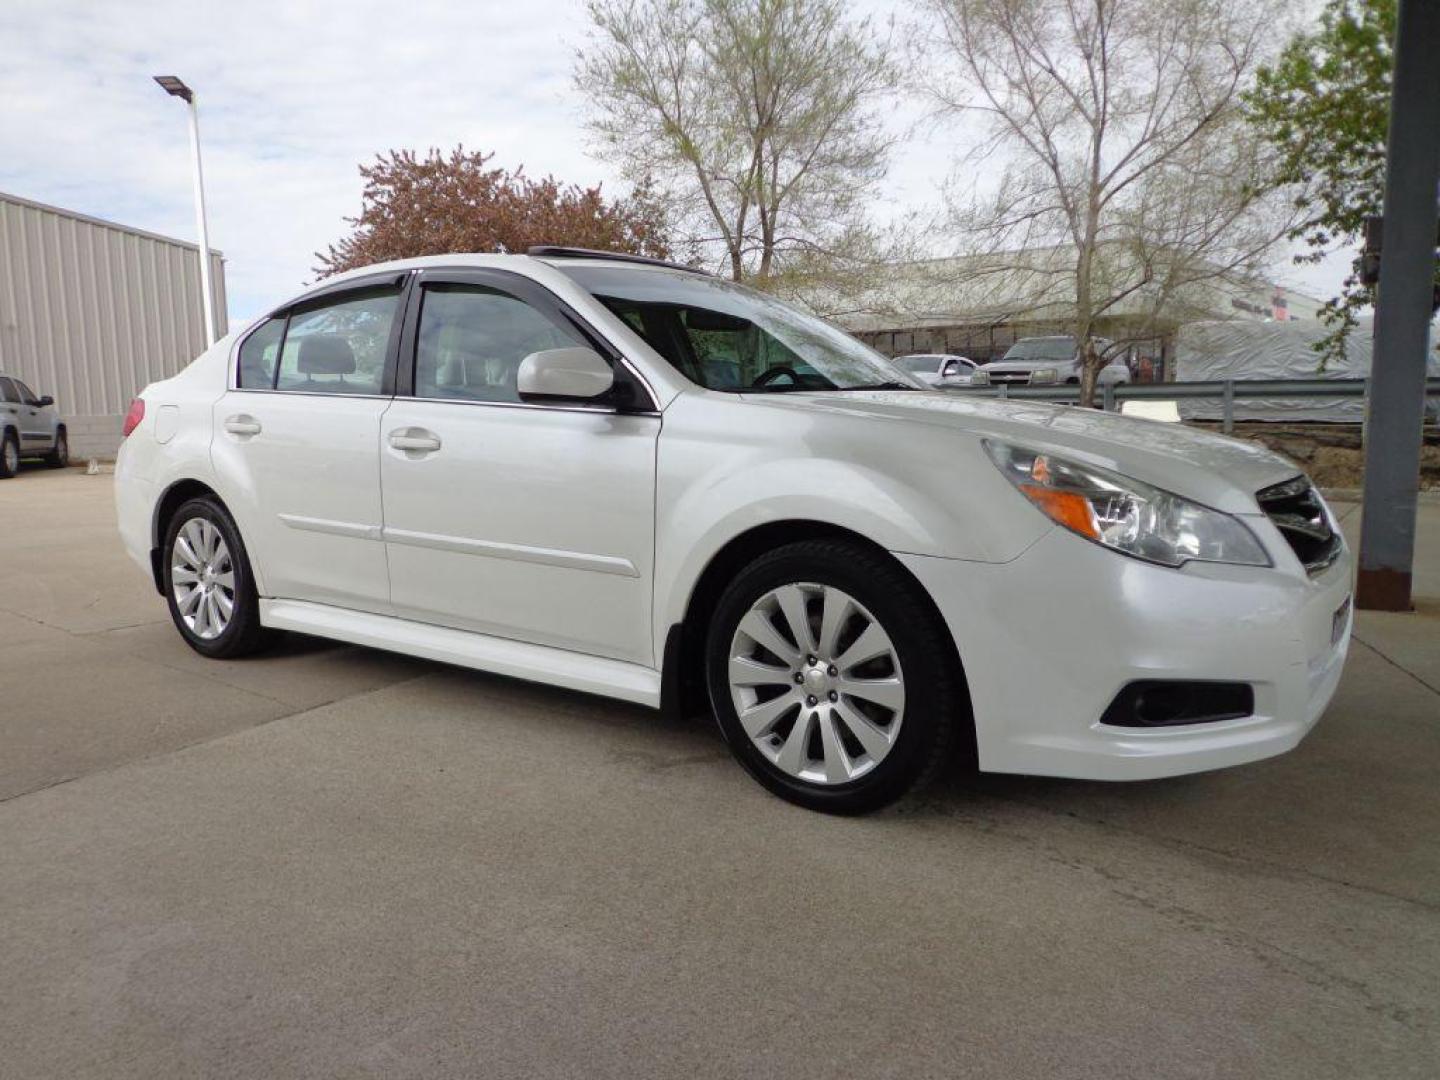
[242, 425]
[415, 440]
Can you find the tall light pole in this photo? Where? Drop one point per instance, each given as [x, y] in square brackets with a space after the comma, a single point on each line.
[177, 88]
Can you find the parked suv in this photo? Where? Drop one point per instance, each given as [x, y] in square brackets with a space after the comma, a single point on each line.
[1045, 361]
[633, 479]
[29, 428]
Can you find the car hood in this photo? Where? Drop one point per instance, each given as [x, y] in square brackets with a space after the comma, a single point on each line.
[1215, 470]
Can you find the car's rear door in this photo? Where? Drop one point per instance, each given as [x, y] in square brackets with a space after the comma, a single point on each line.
[296, 443]
[527, 521]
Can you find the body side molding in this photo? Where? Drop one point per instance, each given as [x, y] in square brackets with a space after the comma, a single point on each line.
[502, 656]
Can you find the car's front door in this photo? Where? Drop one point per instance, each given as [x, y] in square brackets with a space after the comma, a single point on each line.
[37, 425]
[296, 444]
[525, 521]
[11, 407]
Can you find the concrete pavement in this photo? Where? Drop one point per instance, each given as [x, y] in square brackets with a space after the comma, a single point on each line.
[329, 861]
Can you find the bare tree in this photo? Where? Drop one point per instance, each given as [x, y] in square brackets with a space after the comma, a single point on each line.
[757, 116]
[1120, 125]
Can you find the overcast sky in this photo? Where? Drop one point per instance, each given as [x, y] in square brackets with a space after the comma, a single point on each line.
[293, 96]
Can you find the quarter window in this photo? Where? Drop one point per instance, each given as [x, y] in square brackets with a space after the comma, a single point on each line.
[473, 338]
[258, 354]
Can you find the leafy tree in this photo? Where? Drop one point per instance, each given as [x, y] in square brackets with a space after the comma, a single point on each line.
[440, 204]
[1325, 104]
[759, 117]
[1131, 180]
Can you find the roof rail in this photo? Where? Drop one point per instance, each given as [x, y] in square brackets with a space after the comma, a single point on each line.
[555, 251]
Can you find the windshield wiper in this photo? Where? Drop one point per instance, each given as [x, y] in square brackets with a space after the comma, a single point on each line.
[891, 385]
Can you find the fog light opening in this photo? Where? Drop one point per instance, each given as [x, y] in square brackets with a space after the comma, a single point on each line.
[1166, 703]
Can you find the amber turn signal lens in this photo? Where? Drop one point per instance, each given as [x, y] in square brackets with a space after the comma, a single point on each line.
[1065, 508]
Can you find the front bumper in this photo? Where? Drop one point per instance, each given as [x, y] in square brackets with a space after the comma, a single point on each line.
[1048, 639]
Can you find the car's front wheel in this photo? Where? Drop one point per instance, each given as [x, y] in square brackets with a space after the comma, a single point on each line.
[9, 455]
[208, 583]
[831, 680]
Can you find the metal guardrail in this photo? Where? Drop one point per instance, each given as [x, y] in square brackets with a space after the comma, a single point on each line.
[1227, 390]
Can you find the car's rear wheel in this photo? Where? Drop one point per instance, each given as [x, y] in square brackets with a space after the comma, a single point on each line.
[9, 455]
[60, 456]
[208, 584]
[830, 679]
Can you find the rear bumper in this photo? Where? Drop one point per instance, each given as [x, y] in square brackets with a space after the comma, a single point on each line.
[134, 511]
[1049, 639]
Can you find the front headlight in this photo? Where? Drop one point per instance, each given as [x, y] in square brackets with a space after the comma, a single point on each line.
[980, 378]
[1044, 375]
[1124, 514]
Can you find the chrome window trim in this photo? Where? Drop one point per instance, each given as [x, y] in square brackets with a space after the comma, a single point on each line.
[597, 410]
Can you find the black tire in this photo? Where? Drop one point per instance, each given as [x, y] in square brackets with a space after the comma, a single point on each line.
[59, 458]
[243, 634]
[9, 455]
[936, 708]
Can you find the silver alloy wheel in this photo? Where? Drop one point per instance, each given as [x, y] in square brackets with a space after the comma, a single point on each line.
[816, 683]
[12, 457]
[202, 577]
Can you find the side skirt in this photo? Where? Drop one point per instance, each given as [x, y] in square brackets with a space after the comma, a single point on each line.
[518, 659]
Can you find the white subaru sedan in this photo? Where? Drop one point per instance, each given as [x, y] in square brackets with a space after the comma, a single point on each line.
[633, 479]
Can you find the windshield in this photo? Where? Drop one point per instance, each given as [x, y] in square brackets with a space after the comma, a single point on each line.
[917, 364]
[723, 336]
[1055, 348]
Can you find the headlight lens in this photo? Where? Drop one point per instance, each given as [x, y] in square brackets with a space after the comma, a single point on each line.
[1043, 375]
[980, 378]
[1124, 514]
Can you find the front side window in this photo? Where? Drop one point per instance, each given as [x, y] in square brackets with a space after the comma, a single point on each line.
[27, 395]
[8, 393]
[472, 339]
[726, 337]
[338, 346]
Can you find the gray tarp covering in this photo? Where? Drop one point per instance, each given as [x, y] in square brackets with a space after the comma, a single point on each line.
[1281, 350]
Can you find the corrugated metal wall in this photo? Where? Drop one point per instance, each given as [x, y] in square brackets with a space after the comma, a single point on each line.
[90, 312]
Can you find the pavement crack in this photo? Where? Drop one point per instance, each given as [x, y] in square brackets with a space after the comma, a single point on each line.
[1395, 664]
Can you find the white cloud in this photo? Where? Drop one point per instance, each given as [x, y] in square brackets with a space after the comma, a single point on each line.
[293, 96]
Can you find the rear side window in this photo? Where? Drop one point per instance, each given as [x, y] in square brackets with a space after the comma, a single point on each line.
[8, 393]
[258, 355]
[339, 347]
[334, 346]
[473, 338]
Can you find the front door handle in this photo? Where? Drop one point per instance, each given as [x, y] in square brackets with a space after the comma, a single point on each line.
[415, 440]
[242, 425]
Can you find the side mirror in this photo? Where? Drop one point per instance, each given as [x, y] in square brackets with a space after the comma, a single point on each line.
[574, 374]
[45, 402]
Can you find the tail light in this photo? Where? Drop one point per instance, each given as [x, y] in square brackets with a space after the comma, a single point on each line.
[133, 417]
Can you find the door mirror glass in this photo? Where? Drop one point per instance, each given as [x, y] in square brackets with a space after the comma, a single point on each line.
[575, 374]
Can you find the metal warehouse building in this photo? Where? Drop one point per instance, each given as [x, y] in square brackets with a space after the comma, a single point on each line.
[90, 312]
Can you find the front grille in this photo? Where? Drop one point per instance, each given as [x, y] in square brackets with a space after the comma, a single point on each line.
[1297, 512]
[1010, 378]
